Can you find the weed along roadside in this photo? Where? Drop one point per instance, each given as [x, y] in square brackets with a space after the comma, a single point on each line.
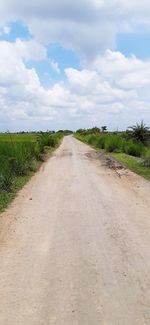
[124, 147]
[20, 156]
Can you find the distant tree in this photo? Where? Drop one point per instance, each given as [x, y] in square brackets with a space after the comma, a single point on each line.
[67, 132]
[104, 128]
[60, 131]
[140, 133]
[95, 130]
[81, 131]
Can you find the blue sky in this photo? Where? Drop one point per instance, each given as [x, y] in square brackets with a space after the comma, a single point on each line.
[136, 44]
[129, 44]
[55, 52]
[17, 30]
[73, 64]
[126, 43]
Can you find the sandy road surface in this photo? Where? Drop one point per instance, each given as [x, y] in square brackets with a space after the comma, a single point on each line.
[75, 245]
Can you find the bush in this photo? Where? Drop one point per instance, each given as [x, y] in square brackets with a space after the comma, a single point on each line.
[134, 149]
[43, 141]
[53, 141]
[101, 142]
[113, 143]
[92, 139]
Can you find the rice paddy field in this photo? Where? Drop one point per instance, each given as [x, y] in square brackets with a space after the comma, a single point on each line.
[18, 137]
[20, 157]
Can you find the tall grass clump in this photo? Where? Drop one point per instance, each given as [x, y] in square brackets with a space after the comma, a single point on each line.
[15, 160]
[54, 139]
[134, 149]
[101, 140]
[43, 139]
[113, 143]
[18, 158]
[92, 139]
[49, 140]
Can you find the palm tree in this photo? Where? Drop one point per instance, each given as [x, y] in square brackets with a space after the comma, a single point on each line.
[104, 128]
[140, 133]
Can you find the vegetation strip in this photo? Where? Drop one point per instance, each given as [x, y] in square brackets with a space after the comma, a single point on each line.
[131, 148]
[20, 157]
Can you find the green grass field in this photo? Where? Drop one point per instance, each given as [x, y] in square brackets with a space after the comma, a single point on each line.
[18, 137]
[20, 156]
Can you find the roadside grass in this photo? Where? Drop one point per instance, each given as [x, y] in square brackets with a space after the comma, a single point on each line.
[133, 155]
[133, 163]
[7, 197]
[20, 156]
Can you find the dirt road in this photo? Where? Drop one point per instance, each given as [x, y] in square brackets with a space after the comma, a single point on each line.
[75, 245]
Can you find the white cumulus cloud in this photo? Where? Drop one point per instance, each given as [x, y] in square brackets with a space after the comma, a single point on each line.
[89, 26]
[108, 84]
[114, 91]
[30, 50]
